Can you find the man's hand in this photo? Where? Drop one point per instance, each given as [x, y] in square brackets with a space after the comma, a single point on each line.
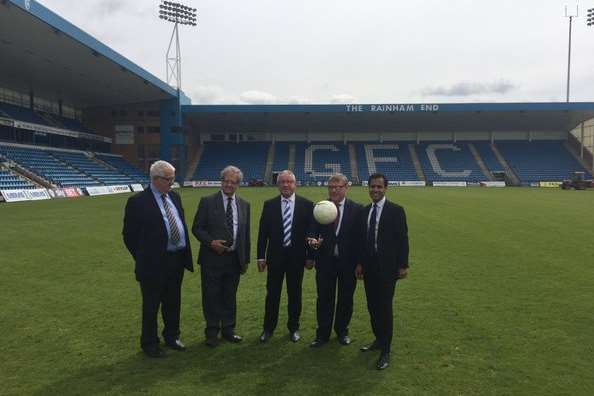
[359, 271]
[309, 264]
[218, 245]
[261, 265]
[314, 243]
[402, 273]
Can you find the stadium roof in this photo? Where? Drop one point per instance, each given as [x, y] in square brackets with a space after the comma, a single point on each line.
[45, 53]
[432, 117]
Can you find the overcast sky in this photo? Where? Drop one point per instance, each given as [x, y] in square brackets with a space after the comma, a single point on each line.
[346, 51]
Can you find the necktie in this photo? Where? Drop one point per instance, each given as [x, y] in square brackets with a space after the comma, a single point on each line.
[371, 230]
[229, 218]
[287, 222]
[174, 231]
[337, 220]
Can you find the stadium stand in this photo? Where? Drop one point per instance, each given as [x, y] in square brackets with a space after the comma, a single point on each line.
[440, 161]
[391, 159]
[249, 157]
[83, 163]
[73, 168]
[539, 160]
[124, 167]
[443, 161]
[21, 114]
[10, 180]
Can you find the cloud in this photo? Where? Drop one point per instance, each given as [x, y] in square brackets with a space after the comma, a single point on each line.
[297, 100]
[207, 94]
[109, 7]
[257, 97]
[342, 99]
[471, 88]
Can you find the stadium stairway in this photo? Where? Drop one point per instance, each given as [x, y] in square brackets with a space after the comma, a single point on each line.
[353, 162]
[416, 162]
[509, 173]
[480, 162]
[269, 164]
[193, 162]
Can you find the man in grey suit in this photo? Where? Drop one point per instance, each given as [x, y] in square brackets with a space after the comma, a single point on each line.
[222, 225]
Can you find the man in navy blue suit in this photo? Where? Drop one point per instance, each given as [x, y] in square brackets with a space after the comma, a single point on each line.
[156, 236]
[383, 260]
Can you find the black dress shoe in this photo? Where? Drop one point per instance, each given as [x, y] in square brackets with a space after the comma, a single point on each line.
[294, 336]
[176, 344]
[344, 340]
[154, 351]
[234, 338]
[265, 336]
[318, 342]
[212, 342]
[383, 362]
[370, 347]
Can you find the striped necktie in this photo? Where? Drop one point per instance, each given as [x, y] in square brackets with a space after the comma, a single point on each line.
[287, 222]
[174, 231]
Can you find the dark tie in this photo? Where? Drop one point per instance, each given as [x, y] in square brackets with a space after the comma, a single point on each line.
[371, 230]
[229, 218]
[337, 220]
[171, 220]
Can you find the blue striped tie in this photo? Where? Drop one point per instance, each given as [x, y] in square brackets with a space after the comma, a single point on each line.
[287, 222]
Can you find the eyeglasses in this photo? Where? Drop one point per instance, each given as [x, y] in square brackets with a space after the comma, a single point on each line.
[168, 179]
[336, 187]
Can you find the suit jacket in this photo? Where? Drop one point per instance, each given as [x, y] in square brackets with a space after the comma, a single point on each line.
[270, 232]
[145, 234]
[348, 238]
[392, 239]
[210, 223]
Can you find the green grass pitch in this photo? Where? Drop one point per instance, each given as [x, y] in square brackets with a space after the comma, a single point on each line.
[499, 301]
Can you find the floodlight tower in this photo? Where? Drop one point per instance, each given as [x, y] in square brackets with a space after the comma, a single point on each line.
[570, 16]
[178, 14]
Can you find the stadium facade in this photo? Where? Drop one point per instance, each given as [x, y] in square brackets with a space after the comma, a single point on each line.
[75, 113]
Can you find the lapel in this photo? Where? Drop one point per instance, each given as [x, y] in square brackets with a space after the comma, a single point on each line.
[366, 218]
[153, 206]
[383, 216]
[345, 216]
[240, 213]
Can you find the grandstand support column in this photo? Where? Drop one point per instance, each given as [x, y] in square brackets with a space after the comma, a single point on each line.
[269, 163]
[480, 162]
[171, 134]
[353, 162]
[506, 168]
[416, 162]
[582, 140]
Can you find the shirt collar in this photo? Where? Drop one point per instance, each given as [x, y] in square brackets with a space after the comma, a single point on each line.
[291, 198]
[341, 203]
[380, 203]
[157, 192]
[225, 197]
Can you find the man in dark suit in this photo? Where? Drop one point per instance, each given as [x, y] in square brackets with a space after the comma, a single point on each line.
[222, 225]
[282, 249]
[383, 260]
[156, 235]
[336, 251]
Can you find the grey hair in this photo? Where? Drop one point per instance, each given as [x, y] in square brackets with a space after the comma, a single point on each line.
[339, 177]
[232, 169]
[158, 168]
[286, 172]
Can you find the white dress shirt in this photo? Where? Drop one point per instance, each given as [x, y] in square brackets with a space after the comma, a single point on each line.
[379, 206]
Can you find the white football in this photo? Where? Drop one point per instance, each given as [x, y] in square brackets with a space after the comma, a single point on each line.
[325, 212]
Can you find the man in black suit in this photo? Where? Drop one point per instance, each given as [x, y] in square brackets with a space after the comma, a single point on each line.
[156, 235]
[282, 249]
[222, 225]
[336, 249]
[383, 260]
